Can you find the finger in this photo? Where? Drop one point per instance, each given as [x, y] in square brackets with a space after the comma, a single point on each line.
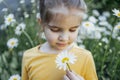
[71, 75]
[80, 77]
[65, 78]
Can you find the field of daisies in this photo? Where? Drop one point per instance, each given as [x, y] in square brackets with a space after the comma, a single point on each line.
[99, 33]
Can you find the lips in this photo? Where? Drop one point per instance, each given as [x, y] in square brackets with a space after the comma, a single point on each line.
[61, 44]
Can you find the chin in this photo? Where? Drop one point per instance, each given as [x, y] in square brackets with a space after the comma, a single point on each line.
[61, 48]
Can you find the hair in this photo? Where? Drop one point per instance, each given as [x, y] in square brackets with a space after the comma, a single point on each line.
[45, 7]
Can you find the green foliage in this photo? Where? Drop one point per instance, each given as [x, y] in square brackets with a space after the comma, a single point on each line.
[106, 53]
[103, 5]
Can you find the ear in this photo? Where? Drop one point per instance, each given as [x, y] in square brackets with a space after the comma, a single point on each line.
[41, 24]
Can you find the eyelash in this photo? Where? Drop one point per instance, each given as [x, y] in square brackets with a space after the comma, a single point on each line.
[57, 30]
[72, 30]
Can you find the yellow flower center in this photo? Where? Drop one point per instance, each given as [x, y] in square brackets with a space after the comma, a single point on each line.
[14, 78]
[118, 14]
[65, 60]
[12, 43]
[87, 24]
[9, 19]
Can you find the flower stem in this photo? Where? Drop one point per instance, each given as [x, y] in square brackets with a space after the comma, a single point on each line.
[68, 67]
[106, 51]
[29, 38]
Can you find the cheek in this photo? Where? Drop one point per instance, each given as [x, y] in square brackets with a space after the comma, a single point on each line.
[50, 36]
[73, 36]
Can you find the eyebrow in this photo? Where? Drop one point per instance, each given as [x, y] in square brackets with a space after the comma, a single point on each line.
[60, 27]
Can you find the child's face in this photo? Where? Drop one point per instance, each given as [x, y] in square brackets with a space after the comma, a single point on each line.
[62, 30]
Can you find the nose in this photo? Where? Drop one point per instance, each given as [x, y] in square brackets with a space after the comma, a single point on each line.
[64, 36]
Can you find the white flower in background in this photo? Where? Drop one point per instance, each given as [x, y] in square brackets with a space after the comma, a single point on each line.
[116, 12]
[3, 26]
[87, 28]
[9, 19]
[22, 1]
[105, 39]
[63, 59]
[18, 9]
[106, 14]
[26, 15]
[85, 16]
[33, 11]
[102, 18]
[105, 24]
[13, 42]
[95, 35]
[20, 28]
[38, 15]
[95, 12]
[32, 1]
[88, 25]
[101, 29]
[4, 9]
[118, 38]
[116, 30]
[117, 27]
[15, 77]
[93, 19]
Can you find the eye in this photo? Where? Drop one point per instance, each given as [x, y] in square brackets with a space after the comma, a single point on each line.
[73, 29]
[55, 29]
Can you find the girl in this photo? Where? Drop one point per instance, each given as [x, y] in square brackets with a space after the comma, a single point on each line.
[60, 20]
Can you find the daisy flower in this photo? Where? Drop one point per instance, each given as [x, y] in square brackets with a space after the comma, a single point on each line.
[106, 14]
[26, 15]
[64, 59]
[116, 30]
[4, 10]
[95, 12]
[32, 1]
[9, 19]
[92, 19]
[22, 1]
[13, 42]
[3, 26]
[116, 12]
[20, 28]
[15, 77]
[38, 15]
[88, 24]
[88, 27]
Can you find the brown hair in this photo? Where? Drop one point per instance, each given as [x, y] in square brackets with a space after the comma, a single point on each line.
[46, 5]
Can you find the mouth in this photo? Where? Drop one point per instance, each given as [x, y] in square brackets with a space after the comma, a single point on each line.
[62, 44]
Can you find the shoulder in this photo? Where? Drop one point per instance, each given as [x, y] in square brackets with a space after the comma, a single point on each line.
[31, 51]
[84, 54]
[81, 51]
[29, 54]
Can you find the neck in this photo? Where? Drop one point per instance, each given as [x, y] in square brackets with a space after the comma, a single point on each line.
[48, 49]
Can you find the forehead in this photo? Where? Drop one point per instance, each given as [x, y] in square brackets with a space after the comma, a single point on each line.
[62, 17]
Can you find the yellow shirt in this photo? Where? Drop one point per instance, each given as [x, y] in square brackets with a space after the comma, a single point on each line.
[37, 65]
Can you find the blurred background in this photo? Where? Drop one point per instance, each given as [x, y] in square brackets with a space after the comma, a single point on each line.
[99, 33]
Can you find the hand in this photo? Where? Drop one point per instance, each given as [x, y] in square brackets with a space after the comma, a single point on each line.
[70, 75]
